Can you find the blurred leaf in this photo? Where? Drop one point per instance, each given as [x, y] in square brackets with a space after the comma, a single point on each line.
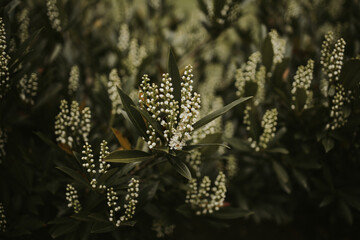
[267, 53]
[203, 121]
[328, 143]
[345, 212]
[280, 172]
[300, 98]
[175, 77]
[133, 114]
[122, 140]
[75, 175]
[327, 200]
[231, 213]
[62, 229]
[66, 148]
[151, 121]
[102, 227]
[350, 74]
[128, 156]
[238, 144]
[278, 150]
[179, 166]
[301, 179]
[201, 145]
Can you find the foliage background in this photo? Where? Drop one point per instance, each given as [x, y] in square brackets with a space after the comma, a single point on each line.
[310, 193]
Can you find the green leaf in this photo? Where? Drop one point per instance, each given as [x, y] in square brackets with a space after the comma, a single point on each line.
[327, 200]
[63, 229]
[102, 227]
[280, 172]
[179, 166]
[301, 179]
[201, 145]
[231, 213]
[133, 114]
[128, 156]
[151, 120]
[278, 150]
[238, 144]
[203, 121]
[46, 140]
[300, 98]
[75, 175]
[350, 74]
[328, 143]
[175, 77]
[267, 54]
[345, 212]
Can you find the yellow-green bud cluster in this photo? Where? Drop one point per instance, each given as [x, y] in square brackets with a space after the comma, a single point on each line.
[332, 56]
[53, 14]
[136, 55]
[104, 151]
[28, 87]
[302, 79]
[194, 160]
[124, 37]
[3, 140]
[160, 103]
[129, 205]
[162, 228]
[337, 114]
[2, 218]
[88, 158]
[74, 80]
[250, 72]
[73, 198]
[23, 19]
[72, 124]
[231, 166]
[278, 45]
[206, 199]
[246, 120]
[112, 85]
[4, 61]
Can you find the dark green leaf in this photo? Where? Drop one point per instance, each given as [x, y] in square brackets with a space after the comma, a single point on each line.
[75, 175]
[128, 156]
[60, 230]
[280, 172]
[301, 179]
[175, 77]
[218, 112]
[150, 120]
[300, 98]
[350, 74]
[201, 145]
[102, 227]
[180, 166]
[133, 114]
[267, 53]
[328, 143]
[278, 150]
[345, 212]
[231, 213]
[327, 200]
[238, 144]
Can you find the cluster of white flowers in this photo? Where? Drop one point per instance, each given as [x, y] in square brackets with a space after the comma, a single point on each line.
[278, 45]
[246, 120]
[332, 56]
[251, 71]
[337, 114]
[72, 124]
[3, 140]
[160, 103]
[268, 123]
[229, 12]
[2, 218]
[91, 167]
[162, 228]
[24, 20]
[136, 56]
[231, 166]
[206, 199]
[194, 160]
[28, 87]
[124, 37]
[112, 85]
[73, 198]
[4, 61]
[73, 80]
[53, 14]
[302, 79]
[129, 205]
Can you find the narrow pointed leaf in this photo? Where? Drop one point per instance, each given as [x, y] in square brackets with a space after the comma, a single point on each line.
[175, 77]
[201, 145]
[122, 140]
[75, 175]
[150, 120]
[218, 112]
[128, 156]
[231, 213]
[280, 172]
[133, 114]
[180, 166]
[267, 53]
